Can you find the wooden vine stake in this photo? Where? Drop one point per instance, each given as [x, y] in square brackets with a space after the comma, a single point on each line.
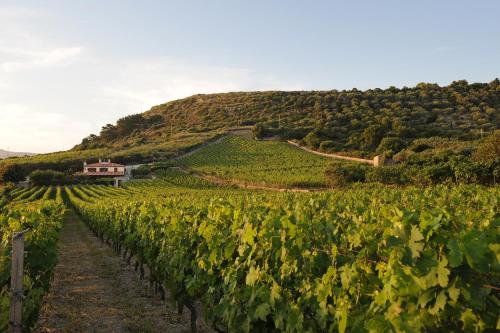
[16, 283]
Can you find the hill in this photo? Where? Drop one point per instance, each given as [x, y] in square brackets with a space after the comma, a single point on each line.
[8, 154]
[344, 121]
[395, 122]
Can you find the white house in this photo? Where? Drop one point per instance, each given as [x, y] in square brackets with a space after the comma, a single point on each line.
[104, 169]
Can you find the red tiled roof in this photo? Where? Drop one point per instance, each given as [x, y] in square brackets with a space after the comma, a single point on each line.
[103, 173]
[104, 164]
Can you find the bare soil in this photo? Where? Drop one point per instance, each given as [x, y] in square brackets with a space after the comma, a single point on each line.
[94, 290]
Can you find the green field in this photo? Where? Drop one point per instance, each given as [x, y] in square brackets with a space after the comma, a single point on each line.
[331, 261]
[337, 260]
[259, 162]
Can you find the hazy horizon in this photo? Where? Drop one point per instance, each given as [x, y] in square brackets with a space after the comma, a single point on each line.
[68, 68]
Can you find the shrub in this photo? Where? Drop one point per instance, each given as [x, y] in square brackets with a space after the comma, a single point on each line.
[161, 166]
[312, 139]
[390, 143]
[489, 149]
[142, 171]
[11, 173]
[393, 174]
[431, 174]
[372, 135]
[49, 177]
[420, 147]
[327, 145]
[102, 181]
[342, 174]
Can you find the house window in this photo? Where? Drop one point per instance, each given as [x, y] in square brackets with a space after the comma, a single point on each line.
[91, 170]
[103, 169]
[116, 169]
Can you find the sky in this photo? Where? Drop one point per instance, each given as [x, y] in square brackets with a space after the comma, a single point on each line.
[67, 68]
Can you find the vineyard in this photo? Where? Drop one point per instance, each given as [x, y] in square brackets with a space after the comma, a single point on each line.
[360, 260]
[259, 162]
[365, 259]
[22, 210]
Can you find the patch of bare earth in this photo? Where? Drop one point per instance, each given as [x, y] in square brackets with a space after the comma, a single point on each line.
[94, 290]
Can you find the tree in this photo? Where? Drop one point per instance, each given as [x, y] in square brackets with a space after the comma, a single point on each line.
[394, 174]
[342, 174]
[11, 173]
[155, 119]
[390, 143]
[372, 135]
[48, 177]
[312, 139]
[109, 132]
[327, 145]
[128, 124]
[489, 149]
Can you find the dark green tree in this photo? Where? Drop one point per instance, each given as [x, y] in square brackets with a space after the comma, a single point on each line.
[11, 173]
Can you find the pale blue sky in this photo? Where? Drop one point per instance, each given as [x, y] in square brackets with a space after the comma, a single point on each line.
[69, 67]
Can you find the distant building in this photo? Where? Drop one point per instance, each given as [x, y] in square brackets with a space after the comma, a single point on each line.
[104, 169]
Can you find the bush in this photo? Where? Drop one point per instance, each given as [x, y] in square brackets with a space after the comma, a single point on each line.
[142, 171]
[52, 177]
[101, 181]
[390, 143]
[431, 174]
[489, 149]
[11, 173]
[312, 140]
[49, 177]
[372, 135]
[161, 166]
[327, 146]
[342, 174]
[403, 155]
[394, 174]
[418, 148]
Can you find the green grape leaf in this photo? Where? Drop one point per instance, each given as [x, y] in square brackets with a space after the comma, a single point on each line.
[414, 243]
[262, 311]
[252, 276]
[443, 272]
[455, 255]
[343, 320]
[453, 293]
[248, 234]
[294, 319]
[275, 293]
[440, 303]
[469, 320]
[377, 325]
[495, 248]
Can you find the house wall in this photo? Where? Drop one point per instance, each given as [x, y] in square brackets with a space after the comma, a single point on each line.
[101, 169]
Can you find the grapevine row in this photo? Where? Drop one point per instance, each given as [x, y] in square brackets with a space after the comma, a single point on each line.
[42, 221]
[361, 260]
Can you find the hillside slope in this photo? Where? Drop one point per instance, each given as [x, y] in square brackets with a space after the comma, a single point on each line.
[258, 162]
[353, 123]
[346, 121]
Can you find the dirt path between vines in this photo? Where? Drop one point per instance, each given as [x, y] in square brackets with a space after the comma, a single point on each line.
[95, 291]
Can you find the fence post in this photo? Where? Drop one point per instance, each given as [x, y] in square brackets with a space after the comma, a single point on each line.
[16, 283]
